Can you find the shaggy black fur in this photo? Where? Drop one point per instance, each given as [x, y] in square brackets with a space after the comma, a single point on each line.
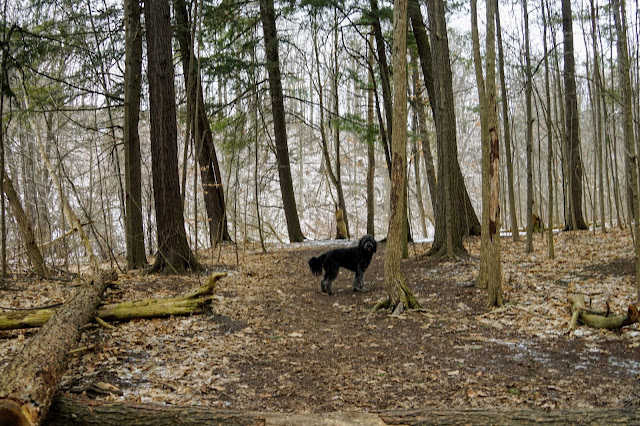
[355, 259]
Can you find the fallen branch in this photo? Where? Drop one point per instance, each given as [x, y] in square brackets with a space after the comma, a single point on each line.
[70, 411]
[188, 304]
[580, 313]
[29, 382]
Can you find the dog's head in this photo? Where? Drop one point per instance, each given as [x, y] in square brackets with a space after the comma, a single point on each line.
[368, 244]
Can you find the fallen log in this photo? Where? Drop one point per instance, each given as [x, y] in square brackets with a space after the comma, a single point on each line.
[81, 411]
[188, 304]
[29, 382]
[580, 313]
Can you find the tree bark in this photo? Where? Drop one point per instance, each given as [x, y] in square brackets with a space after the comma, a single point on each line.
[26, 230]
[631, 161]
[371, 158]
[29, 382]
[490, 275]
[550, 249]
[267, 15]
[515, 233]
[334, 175]
[455, 217]
[134, 232]
[529, 142]
[213, 191]
[68, 410]
[573, 207]
[400, 296]
[174, 254]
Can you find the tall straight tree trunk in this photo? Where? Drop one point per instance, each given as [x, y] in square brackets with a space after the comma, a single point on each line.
[528, 90]
[549, 124]
[490, 275]
[371, 157]
[213, 191]
[598, 118]
[455, 217]
[174, 254]
[515, 233]
[630, 145]
[424, 52]
[268, 17]
[400, 296]
[574, 216]
[385, 75]
[134, 232]
[333, 173]
[336, 132]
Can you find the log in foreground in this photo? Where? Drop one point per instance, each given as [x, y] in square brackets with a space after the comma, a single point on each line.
[29, 382]
[81, 411]
[581, 314]
[188, 304]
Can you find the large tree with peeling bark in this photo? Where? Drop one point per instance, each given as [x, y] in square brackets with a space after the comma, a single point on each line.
[490, 275]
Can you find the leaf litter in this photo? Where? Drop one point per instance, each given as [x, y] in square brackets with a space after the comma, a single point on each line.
[274, 342]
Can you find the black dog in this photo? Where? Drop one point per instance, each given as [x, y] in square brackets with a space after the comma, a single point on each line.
[355, 259]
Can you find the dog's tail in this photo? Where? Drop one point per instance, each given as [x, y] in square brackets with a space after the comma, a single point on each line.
[315, 263]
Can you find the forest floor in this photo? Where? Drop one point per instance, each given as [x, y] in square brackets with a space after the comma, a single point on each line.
[274, 342]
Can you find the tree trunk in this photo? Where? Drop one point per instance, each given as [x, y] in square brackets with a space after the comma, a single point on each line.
[574, 216]
[455, 217]
[400, 296]
[424, 142]
[82, 411]
[528, 90]
[29, 382]
[334, 175]
[213, 191]
[174, 254]
[26, 230]
[490, 275]
[384, 74]
[630, 145]
[134, 232]
[267, 15]
[371, 158]
[515, 233]
[549, 124]
[336, 131]
[599, 119]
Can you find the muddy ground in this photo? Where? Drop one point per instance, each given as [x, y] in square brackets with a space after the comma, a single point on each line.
[274, 342]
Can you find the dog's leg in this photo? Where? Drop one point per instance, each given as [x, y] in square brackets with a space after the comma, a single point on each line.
[358, 282]
[330, 275]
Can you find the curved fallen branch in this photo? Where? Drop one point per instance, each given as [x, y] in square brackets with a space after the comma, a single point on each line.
[580, 313]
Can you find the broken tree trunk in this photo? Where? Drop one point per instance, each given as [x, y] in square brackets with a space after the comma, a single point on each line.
[188, 304]
[580, 313]
[29, 382]
[70, 411]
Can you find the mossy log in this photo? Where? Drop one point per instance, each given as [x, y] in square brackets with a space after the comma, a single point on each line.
[81, 411]
[188, 304]
[581, 314]
[29, 382]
